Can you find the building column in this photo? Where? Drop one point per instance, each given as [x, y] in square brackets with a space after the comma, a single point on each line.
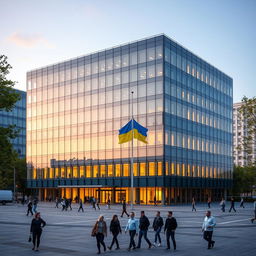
[163, 196]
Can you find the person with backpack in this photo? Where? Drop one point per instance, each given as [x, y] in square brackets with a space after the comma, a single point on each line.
[100, 231]
[115, 229]
[143, 226]
[169, 228]
[157, 226]
[29, 210]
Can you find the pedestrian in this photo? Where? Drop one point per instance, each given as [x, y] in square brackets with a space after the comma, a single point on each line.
[208, 225]
[124, 209]
[57, 202]
[34, 205]
[100, 231]
[242, 202]
[80, 206]
[232, 206]
[63, 204]
[29, 210]
[98, 204]
[143, 226]
[108, 204]
[254, 208]
[193, 204]
[94, 203]
[170, 227]
[157, 226]
[115, 229]
[36, 230]
[209, 202]
[223, 204]
[69, 203]
[133, 228]
[155, 202]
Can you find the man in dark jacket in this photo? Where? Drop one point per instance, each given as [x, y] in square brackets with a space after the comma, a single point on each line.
[232, 206]
[29, 208]
[144, 224]
[170, 227]
[124, 209]
[157, 226]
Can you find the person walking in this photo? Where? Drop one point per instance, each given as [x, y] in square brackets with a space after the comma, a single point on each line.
[100, 231]
[133, 228]
[36, 230]
[108, 204]
[232, 206]
[157, 226]
[254, 208]
[193, 204]
[242, 202]
[93, 203]
[70, 203]
[170, 227]
[124, 209]
[29, 210]
[143, 226]
[207, 228]
[63, 204]
[34, 205]
[80, 206]
[115, 229]
[209, 202]
[98, 204]
[57, 202]
[223, 204]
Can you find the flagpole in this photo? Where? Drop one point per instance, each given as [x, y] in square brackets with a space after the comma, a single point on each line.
[132, 159]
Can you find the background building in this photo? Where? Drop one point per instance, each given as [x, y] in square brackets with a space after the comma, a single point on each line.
[17, 117]
[76, 107]
[241, 158]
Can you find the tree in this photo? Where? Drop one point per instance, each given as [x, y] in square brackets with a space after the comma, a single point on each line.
[244, 178]
[8, 98]
[248, 114]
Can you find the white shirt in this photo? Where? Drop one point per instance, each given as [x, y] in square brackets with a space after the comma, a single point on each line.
[209, 223]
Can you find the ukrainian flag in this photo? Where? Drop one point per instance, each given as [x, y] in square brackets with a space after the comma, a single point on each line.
[139, 132]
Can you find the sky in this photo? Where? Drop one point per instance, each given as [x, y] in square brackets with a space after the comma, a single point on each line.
[36, 33]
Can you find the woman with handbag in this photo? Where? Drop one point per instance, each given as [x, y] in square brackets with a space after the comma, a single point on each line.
[115, 229]
[100, 231]
[36, 230]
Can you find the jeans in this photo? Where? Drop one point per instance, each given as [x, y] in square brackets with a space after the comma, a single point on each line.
[81, 208]
[124, 211]
[232, 207]
[157, 235]
[223, 208]
[114, 240]
[132, 234]
[208, 237]
[143, 233]
[29, 211]
[172, 235]
[100, 240]
[36, 238]
[193, 208]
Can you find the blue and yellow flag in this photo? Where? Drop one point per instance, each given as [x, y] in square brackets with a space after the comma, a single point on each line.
[139, 132]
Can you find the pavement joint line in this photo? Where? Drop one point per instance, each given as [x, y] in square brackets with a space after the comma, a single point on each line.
[232, 221]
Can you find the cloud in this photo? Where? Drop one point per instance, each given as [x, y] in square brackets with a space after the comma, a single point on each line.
[29, 40]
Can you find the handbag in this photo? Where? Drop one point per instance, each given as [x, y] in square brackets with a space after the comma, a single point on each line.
[29, 239]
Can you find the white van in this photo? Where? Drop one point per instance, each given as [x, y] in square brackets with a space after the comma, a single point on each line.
[6, 196]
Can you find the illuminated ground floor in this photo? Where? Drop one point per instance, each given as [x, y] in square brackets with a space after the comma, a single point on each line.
[141, 195]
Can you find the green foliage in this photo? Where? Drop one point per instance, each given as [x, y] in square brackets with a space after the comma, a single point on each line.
[8, 98]
[244, 178]
[248, 113]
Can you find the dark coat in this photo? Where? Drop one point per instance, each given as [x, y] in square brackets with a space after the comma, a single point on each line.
[144, 223]
[37, 224]
[115, 227]
[158, 223]
[170, 224]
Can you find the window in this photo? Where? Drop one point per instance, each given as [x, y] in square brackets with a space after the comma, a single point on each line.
[150, 54]
[151, 169]
[142, 169]
[126, 170]
[142, 56]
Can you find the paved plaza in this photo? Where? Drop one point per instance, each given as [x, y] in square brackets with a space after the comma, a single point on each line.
[69, 233]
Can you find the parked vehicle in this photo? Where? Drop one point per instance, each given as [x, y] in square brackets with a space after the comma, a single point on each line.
[6, 196]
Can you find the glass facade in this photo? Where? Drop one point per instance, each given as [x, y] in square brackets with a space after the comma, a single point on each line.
[17, 117]
[75, 109]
